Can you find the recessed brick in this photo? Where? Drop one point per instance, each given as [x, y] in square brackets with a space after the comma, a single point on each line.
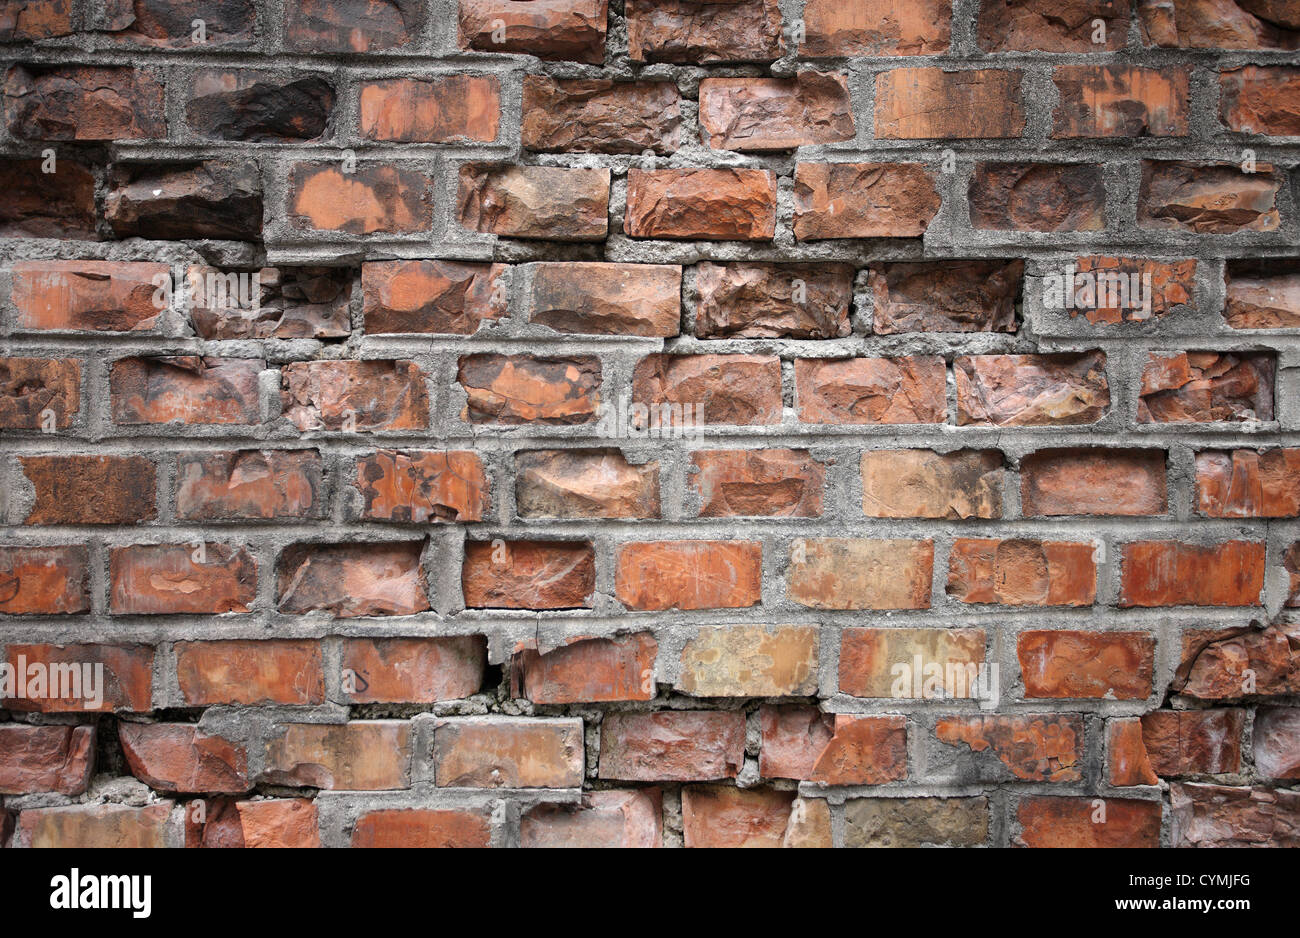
[861, 573]
[705, 204]
[351, 580]
[597, 116]
[91, 489]
[1109, 665]
[1168, 573]
[250, 673]
[269, 302]
[1276, 741]
[174, 201]
[1262, 295]
[920, 483]
[453, 109]
[420, 487]
[549, 203]
[1127, 754]
[190, 389]
[258, 107]
[1203, 387]
[528, 575]
[863, 200]
[528, 389]
[672, 745]
[945, 296]
[47, 205]
[1022, 572]
[354, 396]
[976, 103]
[1063, 389]
[446, 297]
[607, 299]
[661, 575]
[1098, 481]
[1040, 197]
[1247, 483]
[508, 753]
[741, 483]
[871, 390]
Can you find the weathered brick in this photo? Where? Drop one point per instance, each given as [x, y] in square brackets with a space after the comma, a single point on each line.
[191, 389]
[90, 489]
[269, 302]
[279, 822]
[607, 299]
[1046, 821]
[178, 757]
[423, 486]
[1032, 390]
[170, 23]
[1078, 664]
[1232, 662]
[876, 27]
[757, 483]
[507, 753]
[259, 108]
[35, 19]
[572, 30]
[422, 827]
[708, 204]
[354, 395]
[37, 759]
[1219, 816]
[373, 198]
[453, 109]
[180, 579]
[412, 670]
[1208, 198]
[352, 580]
[250, 484]
[250, 673]
[588, 483]
[660, 575]
[900, 662]
[1040, 197]
[172, 201]
[76, 296]
[1260, 100]
[1128, 760]
[588, 115]
[1276, 741]
[1022, 572]
[544, 202]
[863, 200]
[97, 826]
[1202, 387]
[610, 819]
[1246, 483]
[916, 822]
[776, 113]
[47, 205]
[920, 483]
[976, 103]
[358, 756]
[792, 736]
[1114, 290]
[83, 103]
[720, 389]
[672, 745]
[1169, 573]
[1262, 295]
[945, 296]
[526, 389]
[587, 670]
[726, 817]
[39, 393]
[700, 32]
[794, 301]
[871, 390]
[431, 296]
[1098, 481]
[44, 580]
[351, 25]
[1120, 101]
[126, 684]
[860, 573]
[1219, 24]
[745, 661]
[1193, 742]
[1052, 25]
[1029, 747]
[529, 574]
[863, 750]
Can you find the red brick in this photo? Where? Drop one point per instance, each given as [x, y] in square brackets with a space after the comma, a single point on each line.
[864, 750]
[1291, 565]
[1051, 25]
[352, 580]
[910, 663]
[920, 483]
[572, 30]
[83, 103]
[528, 574]
[100, 296]
[1105, 296]
[256, 107]
[776, 113]
[945, 296]
[1208, 198]
[662, 575]
[451, 109]
[871, 390]
[612, 819]
[1031, 747]
[178, 757]
[748, 483]
[413, 670]
[447, 297]
[1219, 816]
[863, 200]
[423, 486]
[354, 396]
[1129, 764]
[188, 388]
[351, 25]
[44, 580]
[269, 302]
[47, 205]
[422, 827]
[249, 484]
[39, 393]
[1063, 389]
[1038, 197]
[250, 673]
[1276, 741]
[607, 299]
[126, 684]
[599, 116]
[733, 817]
[1087, 822]
[700, 32]
[357, 756]
[860, 573]
[727, 389]
[1246, 483]
[90, 489]
[1232, 662]
[1193, 742]
[35, 19]
[1099, 481]
[977, 103]
[876, 27]
[1120, 101]
[588, 483]
[45, 759]
[1022, 572]
[1078, 664]
[97, 826]
[1260, 100]
[705, 204]
[550, 203]
[373, 198]
[750, 661]
[793, 736]
[1167, 573]
[169, 23]
[523, 389]
[587, 670]
[280, 822]
[672, 745]
[181, 579]
[1262, 295]
[1203, 387]
[1219, 24]
[504, 753]
[792, 301]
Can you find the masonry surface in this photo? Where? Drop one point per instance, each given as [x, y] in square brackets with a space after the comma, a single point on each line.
[650, 423]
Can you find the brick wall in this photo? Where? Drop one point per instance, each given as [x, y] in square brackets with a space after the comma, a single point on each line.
[650, 422]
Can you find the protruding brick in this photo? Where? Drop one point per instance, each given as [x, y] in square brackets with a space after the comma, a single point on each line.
[587, 670]
[239, 485]
[529, 574]
[1038, 197]
[530, 389]
[250, 673]
[1079, 664]
[612, 819]
[726, 817]
[372, 198]
[413, 670]
[976, 103]
[1062, 389]
[352, 580]
[83, 103]
[125, 685]
[1120, 101]
[44, 580]
[916, 822]
[863, 200]
[36, 759]
[1208, 198]
[860, 573]
[875, 28]
[352, 25]
[1022, 572]
[702, 33]
[1246, 483]
[607, 299]
[1052, 25]
[90, 489]
[450, 109]
[549, 203]
[792, 301]
[446, 297]
[39, 393]
[705, 204]
[592, 115]
[174, 201]
[588, 483]
[181, 579]
[506, 753]
[1260, 100]
[97, 826]
[190, 389]
[99, 296]
[423, 828]
[945, 296]
[256, 107]
[1081, 822]
[1127, 482]
[572, 30]
[750, 661]
[920, 483]
[420, 487]
[672, 745]
[661, 575]
[178, 757]
[871, 390]
[1029, 747]
[776, 113]
[1193, 742]
[1167, 573]
[898, 663]
[354, 396]
[357, 756]
[1203, 387]
[725, 389]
